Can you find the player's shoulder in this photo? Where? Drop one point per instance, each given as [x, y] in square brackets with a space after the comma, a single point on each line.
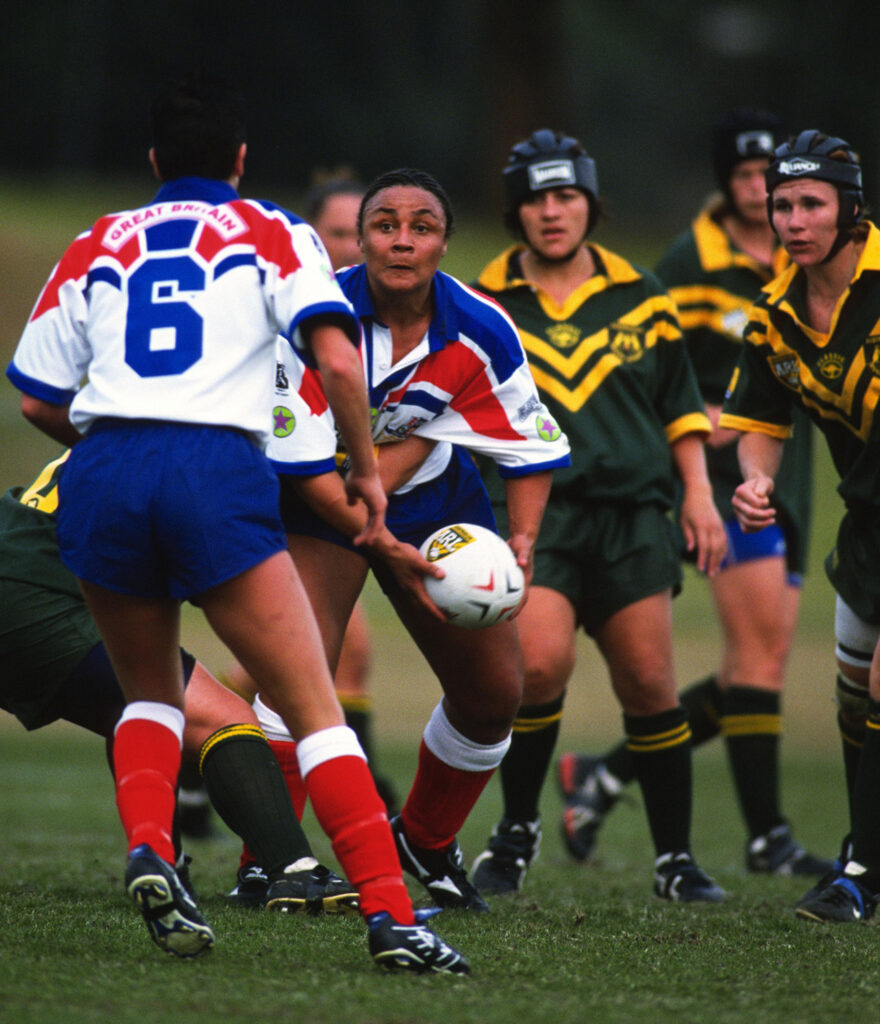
[621, 272]
[479, 315]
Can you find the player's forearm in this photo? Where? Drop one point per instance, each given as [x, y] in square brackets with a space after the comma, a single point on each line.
[689, 456]
[342, 377]
[526, 498]
[399, 460]
[759, 455]
[52, 420]
[325, 495]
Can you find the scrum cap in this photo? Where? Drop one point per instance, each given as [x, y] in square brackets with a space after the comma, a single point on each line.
[548, 159]
[743, 134]
[807, 156]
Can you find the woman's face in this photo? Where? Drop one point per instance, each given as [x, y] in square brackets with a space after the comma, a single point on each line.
[337, 228]
[805, 218]
[748, 190]
[554, 222]
[403, 238]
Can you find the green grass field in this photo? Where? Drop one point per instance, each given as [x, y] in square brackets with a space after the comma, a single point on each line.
[581, 943]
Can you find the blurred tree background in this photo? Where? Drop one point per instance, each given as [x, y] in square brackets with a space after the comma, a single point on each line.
[446, 85]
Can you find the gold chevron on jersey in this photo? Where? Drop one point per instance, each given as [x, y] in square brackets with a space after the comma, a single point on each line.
[847, 394]
[572, 377]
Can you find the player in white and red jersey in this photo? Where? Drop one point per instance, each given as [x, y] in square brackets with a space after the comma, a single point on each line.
[172, 312]
[445, 371]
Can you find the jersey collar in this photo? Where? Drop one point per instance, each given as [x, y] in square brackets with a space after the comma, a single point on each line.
[208, 190]
[499, 275]
[444, 322]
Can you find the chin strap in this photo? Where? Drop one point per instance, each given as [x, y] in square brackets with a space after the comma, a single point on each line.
[839, 242]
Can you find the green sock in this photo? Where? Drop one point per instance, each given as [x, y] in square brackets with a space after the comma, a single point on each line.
[752, 725]
[865, 819]
[248, 791]
[661, 751]
[852, 736]
[525, 765]
[702, 701]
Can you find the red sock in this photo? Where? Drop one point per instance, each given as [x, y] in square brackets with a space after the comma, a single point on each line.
[146, 758]
[350, 811]
[285, 754]
[440, 800]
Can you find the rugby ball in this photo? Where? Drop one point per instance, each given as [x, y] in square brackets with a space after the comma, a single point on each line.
[483, 584]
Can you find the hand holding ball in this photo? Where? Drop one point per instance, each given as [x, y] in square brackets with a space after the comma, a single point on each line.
[483, 584]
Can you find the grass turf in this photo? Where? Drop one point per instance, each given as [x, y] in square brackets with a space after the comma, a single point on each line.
[582, 942]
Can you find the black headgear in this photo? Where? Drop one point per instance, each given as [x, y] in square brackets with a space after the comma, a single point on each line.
[743, 134]
[807, 157]
[548, 159]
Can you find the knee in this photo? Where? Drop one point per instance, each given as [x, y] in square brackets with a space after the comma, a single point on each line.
[546, 673]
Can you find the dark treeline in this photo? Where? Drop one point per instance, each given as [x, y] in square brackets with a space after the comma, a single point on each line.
[443, 85]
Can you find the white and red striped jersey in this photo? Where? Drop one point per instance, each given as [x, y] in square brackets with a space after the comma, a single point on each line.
[172, 311]
[466, 383]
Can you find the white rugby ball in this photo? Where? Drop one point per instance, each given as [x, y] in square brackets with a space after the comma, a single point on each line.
[483, 584]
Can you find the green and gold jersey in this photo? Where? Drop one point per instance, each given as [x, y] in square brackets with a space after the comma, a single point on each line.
[28, 540]
[834, 377]
[610, 365]
[713, 284]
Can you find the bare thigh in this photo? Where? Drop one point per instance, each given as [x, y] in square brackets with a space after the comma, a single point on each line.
[480, 670]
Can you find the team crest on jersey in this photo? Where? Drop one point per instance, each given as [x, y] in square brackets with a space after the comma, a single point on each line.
[283, 421]
[281, 381]
[548, 428]
[831, 365]
[787, 370]
[872, 353]
[445, 543]
[563, 335]
[627, 342]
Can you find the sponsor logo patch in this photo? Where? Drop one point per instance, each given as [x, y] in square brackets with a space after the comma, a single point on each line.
[533, 404]
[798, 165]
[281, 381]
[755, 143]
[549, 173]
[449, 540]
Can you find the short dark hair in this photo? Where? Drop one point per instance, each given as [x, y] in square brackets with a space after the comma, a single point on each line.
[411, 177]
[318, 195]
[198, 127]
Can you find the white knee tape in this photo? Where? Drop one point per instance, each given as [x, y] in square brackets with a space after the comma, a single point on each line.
[856, 639]
[325, 744]
[447, 743]
[154, 711]
[271, 723]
